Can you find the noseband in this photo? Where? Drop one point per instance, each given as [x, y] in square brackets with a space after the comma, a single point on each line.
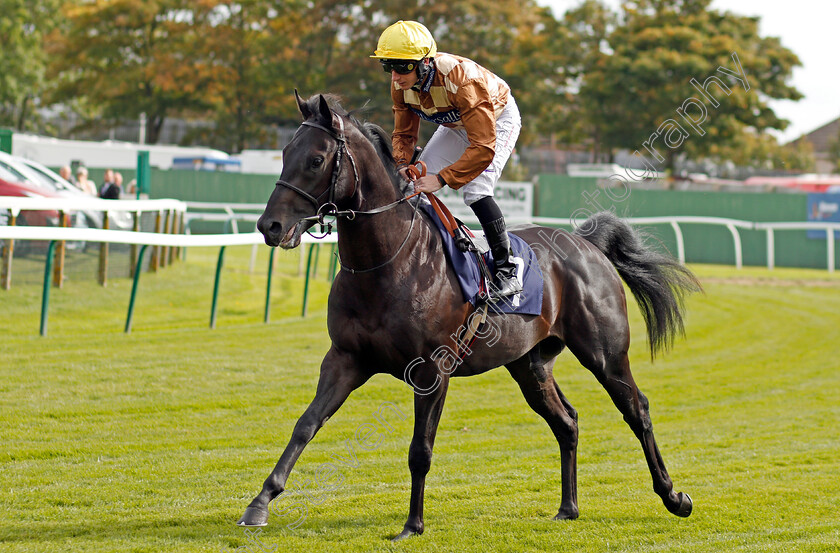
[328, 208]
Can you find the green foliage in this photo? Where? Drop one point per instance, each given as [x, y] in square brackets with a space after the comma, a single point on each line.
[750, 149]
[591, 76]
[118, 59]
[23, 25]
[157, 440]
[644, 76]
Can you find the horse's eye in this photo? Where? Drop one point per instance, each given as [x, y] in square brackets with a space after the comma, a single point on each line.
[317, 162]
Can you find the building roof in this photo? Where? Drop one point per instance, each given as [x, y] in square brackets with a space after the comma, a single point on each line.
[822, 137]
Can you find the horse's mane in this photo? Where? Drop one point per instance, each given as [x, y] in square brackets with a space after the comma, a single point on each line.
[376, 135]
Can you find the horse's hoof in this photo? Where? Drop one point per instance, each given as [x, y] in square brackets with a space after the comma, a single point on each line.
[685, 506]
[254, 516]
[567, 514]
[406, 534]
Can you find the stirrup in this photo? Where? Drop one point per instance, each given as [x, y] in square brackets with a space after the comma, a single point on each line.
[508, 286]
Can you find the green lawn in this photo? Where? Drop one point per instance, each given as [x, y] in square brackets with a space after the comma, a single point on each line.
[157, 440]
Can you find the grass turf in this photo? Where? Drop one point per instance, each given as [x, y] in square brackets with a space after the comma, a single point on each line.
[157, 440]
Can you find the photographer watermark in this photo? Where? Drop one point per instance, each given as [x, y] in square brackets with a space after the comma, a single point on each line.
[693, 112]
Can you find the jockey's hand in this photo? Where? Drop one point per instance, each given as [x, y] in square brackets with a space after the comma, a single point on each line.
[404, 173]
[429, 184]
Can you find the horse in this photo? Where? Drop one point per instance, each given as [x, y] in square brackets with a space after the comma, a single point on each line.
[396, 300]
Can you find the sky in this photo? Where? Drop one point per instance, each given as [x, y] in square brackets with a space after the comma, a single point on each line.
[809, 29]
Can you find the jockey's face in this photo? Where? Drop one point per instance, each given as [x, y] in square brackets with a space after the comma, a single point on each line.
[404, 81]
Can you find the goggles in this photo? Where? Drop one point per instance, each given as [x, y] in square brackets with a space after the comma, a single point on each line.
[402, 67]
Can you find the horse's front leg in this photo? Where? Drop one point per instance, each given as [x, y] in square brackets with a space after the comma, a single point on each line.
[340, 375]
[427, 411]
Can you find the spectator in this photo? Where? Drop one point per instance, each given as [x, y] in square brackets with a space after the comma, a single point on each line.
[85, 184]
[67, 174]
[109, 189]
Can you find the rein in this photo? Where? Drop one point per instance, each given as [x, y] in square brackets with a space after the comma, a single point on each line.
[393, 257]
[329, 208]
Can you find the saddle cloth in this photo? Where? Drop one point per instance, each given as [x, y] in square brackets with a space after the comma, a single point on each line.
[527, 302]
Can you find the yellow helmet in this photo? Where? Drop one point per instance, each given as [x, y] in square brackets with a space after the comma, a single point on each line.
[405, 40]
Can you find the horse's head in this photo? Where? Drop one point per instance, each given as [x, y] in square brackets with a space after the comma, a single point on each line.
[318, 172]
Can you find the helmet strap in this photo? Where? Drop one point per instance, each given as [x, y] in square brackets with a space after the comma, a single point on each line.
[423, 70]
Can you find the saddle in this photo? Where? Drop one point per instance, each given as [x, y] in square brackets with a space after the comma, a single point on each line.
[464, 239]
[470, 244]
[473, 267]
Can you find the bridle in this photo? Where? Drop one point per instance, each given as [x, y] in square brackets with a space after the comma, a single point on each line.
[329, 207]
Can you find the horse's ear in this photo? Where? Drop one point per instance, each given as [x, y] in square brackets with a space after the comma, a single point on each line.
[304, 109]
[324, 108]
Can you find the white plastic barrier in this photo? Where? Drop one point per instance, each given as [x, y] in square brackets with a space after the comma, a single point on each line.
[56, 234]
[731, 224]
[17, 204]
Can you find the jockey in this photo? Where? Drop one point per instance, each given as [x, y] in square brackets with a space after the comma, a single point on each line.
[478, 127]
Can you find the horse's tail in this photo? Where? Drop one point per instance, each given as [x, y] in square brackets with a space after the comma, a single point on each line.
[658, 282]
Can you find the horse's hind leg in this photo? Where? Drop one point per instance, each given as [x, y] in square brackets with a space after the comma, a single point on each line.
[597, 352]
[427, 412]
[533, 374]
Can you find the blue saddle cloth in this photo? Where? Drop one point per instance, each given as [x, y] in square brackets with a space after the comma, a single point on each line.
[527, 302]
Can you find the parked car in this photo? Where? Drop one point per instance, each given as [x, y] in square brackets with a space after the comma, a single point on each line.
[40, 218]
[43, 218]
[119, 220]
[36, 174]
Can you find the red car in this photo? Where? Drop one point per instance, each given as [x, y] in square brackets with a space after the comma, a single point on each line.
[46, 218]
[40, 218]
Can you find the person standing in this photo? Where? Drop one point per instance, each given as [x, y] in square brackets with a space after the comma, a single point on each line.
[479, 124]
[84, 183]
[66, 173]
[109, 189]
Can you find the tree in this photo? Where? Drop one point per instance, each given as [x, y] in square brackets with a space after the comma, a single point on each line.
[250, 49]
[116, 59]
[22, 29]
[644, 91]
[588, 27]
[762, 150]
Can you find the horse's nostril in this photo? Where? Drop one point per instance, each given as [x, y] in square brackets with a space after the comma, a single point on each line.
[275, 228]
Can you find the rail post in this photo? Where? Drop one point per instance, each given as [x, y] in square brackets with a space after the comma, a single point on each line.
[153, 263]
[133, 259]
[164, 250]
[736, 239]
[103, 253]
[306, 280]
[45, 294]
[130, 316]
[268, 285]
[8, 254]
[680, 242]
[771, 249]
[175, 251]
[61, 248]
[216, 288]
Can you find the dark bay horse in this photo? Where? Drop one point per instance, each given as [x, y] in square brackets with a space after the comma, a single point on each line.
[396, 301]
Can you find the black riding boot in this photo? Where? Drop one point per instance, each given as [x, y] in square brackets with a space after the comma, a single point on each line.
[506, 282]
